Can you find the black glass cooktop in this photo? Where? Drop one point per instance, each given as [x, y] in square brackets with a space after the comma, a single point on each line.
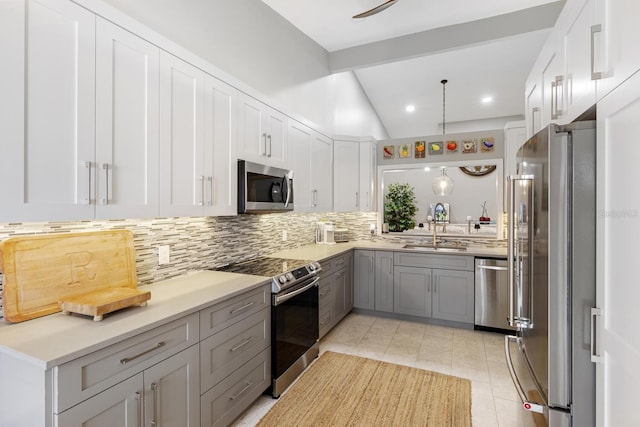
[269, 267]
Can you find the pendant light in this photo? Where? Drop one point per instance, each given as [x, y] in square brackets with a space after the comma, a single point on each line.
[443, 185]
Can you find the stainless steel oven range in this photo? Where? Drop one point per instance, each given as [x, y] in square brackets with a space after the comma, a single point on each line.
[294, 314]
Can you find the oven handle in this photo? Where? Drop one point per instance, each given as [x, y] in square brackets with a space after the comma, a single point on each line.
[285, 297]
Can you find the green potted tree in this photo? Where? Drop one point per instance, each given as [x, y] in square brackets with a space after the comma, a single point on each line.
[400, 207]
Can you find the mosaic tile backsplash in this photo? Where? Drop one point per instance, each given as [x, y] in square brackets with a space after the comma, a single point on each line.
[207, 242]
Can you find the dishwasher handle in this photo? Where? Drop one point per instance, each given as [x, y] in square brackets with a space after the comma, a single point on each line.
[491, 267]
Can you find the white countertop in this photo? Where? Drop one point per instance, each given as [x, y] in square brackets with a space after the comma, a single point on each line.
[57, 338]
[319, 252]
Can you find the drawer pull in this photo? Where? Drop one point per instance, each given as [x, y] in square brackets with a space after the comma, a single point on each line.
[247, 387]
[325, 293]
[244, 307]
[129, 359]
[242, 344]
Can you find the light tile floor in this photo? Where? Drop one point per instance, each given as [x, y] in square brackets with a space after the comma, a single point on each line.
[478, 356]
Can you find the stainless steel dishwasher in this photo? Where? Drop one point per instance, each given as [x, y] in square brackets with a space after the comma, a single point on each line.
[492, 295]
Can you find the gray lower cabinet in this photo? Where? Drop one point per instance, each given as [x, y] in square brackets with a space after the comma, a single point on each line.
[453, 295]
[364, 279]
[384, 279]
[235, 356]
[436, 286]
[209, 384]
[412, 291]
[336, 291]
[148, 378]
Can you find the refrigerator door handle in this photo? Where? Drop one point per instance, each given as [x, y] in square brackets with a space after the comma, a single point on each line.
[526, 404]
[514, 253]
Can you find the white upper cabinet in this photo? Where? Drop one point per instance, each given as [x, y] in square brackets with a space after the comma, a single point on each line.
[311, 159]
[346, 176]
[220, 148]
[48, 110]
[354, 176]
[533, 104]
[197, 141]
[262, 133]
[87, 145]
[127, 75]
[580, 53]
[368, 172]
[182, 180]
[616, 43]
[321, 172]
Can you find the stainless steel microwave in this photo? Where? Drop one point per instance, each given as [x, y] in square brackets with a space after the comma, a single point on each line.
[264, 188]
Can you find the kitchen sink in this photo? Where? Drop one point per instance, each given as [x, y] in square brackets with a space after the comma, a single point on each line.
[431, 248]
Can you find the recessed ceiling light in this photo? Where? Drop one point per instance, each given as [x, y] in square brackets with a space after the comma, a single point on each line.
[487, 99]
[410, 108]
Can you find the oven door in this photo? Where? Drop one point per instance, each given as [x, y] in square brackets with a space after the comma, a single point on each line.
[294, 324]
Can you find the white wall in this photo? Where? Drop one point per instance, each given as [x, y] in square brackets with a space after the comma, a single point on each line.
[248, 40]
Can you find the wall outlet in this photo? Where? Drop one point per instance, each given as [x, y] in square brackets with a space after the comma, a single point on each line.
[163, 255]
[285, 235]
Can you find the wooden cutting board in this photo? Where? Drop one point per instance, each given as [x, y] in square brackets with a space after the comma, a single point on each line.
[39, 271]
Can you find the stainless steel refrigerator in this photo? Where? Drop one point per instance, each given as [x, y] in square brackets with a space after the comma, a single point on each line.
[551, 261]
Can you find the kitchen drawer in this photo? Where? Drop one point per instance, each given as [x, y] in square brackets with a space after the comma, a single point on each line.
[447, 262]
[227, 400]
[229, 349]
[342, 261]
[224, 314]
[325, 320]
[325, 291]
[86, 376]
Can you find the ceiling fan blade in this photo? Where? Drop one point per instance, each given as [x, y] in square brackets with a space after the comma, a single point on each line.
[376, 9]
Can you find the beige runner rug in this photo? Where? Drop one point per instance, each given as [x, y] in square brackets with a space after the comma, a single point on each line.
[344, 390]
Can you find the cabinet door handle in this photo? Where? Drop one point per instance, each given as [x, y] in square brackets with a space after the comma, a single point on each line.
[595, 313]
[87, 200]
[155, 347]
[264, 137]
[213, 184]
[201, 201]
[357, 200]
[560, 91]
[234, 397]
[154, 390]
[269, 138]
[138, 399]
[435, 286]
[105, 199]
[242, 344]
[595, 29]
[239, 309]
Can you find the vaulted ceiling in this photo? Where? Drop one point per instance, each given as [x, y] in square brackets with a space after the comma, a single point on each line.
[483, 48]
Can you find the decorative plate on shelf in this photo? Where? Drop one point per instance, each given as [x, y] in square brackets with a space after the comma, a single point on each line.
[478, 170]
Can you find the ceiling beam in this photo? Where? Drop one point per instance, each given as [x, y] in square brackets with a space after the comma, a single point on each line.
[445, 39]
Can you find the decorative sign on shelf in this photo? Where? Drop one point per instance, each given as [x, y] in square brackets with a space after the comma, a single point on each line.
[436, 148]
[387, 151]
[404, 151]
[420, 151]
[486, 144]
[452, 146]
[469, 146]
